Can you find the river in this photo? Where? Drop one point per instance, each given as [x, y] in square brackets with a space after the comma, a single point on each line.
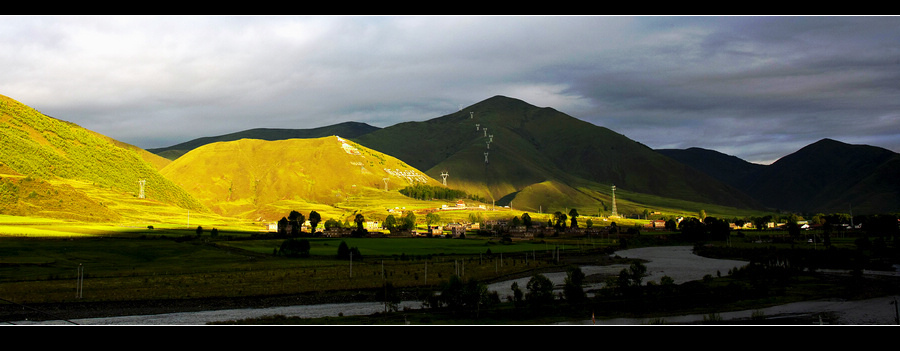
[678, 263]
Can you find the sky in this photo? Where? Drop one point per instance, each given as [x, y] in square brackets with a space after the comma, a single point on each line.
[757, 87]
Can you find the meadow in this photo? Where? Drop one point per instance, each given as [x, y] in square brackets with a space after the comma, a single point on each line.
[174, 263]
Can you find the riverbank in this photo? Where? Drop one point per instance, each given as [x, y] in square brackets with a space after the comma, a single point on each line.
[676, 262]
[10, 313]
[84, 310]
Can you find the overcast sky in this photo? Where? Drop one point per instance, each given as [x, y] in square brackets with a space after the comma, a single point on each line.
[755, 87]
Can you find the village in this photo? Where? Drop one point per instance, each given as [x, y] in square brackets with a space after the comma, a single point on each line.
[512, 228]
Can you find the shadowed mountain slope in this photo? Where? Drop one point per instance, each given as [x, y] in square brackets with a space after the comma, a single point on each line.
[529, 145]
[831, 176]
[825, 176]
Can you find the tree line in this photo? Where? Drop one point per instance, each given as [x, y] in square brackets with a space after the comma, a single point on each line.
[428, 192]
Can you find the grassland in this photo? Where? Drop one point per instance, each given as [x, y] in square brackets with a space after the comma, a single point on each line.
[175, 264]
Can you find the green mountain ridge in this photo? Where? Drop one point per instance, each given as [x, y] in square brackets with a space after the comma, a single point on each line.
[823, 177]
[529, 145]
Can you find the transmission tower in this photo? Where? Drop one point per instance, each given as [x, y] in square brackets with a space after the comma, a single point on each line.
[471, 114]
[142, 182]
[477, 126]
[485, 132]
[444, 175]
[614, 213]
[485, 157]
[385, 183]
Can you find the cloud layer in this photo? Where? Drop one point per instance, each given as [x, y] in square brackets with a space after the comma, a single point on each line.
[755, 87]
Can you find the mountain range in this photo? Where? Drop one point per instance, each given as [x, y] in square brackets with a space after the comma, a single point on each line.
[823, 177]
[502, 150]
[511, 152]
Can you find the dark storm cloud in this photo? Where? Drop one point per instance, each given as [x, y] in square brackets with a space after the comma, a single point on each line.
[755, 87]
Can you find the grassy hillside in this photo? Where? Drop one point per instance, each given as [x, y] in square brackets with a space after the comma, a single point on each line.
[347, 129]
[529, 146]
[252, 178]
[48, 152]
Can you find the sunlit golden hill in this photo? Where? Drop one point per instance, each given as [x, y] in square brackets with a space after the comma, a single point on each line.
[247, 178]
[49, 168]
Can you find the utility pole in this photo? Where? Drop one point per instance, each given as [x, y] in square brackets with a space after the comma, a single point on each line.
[79, 282]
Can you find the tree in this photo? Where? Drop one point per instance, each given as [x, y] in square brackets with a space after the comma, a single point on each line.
[793, 230]
[360, 231]
[671, 225]
[282, 226]
[360, 221]
[391, 297]
[574, 286]
[296, 220]
[560, 220]
[629, 279]
[760, 222]
[409, 221]
[390, 222]
[692, 229]
[314, 219]
[573, 213]
[343, 251]
[199, 230]
[517, 296]
[465, 296]
[637, 272]
[432, 218]
[332, 223]
[526, 220]
[718, 229]
[476, 217]
[540, 291]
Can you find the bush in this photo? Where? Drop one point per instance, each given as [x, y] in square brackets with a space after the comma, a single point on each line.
[295, 248]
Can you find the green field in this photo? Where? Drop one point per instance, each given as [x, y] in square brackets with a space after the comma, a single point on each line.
[122, 264]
